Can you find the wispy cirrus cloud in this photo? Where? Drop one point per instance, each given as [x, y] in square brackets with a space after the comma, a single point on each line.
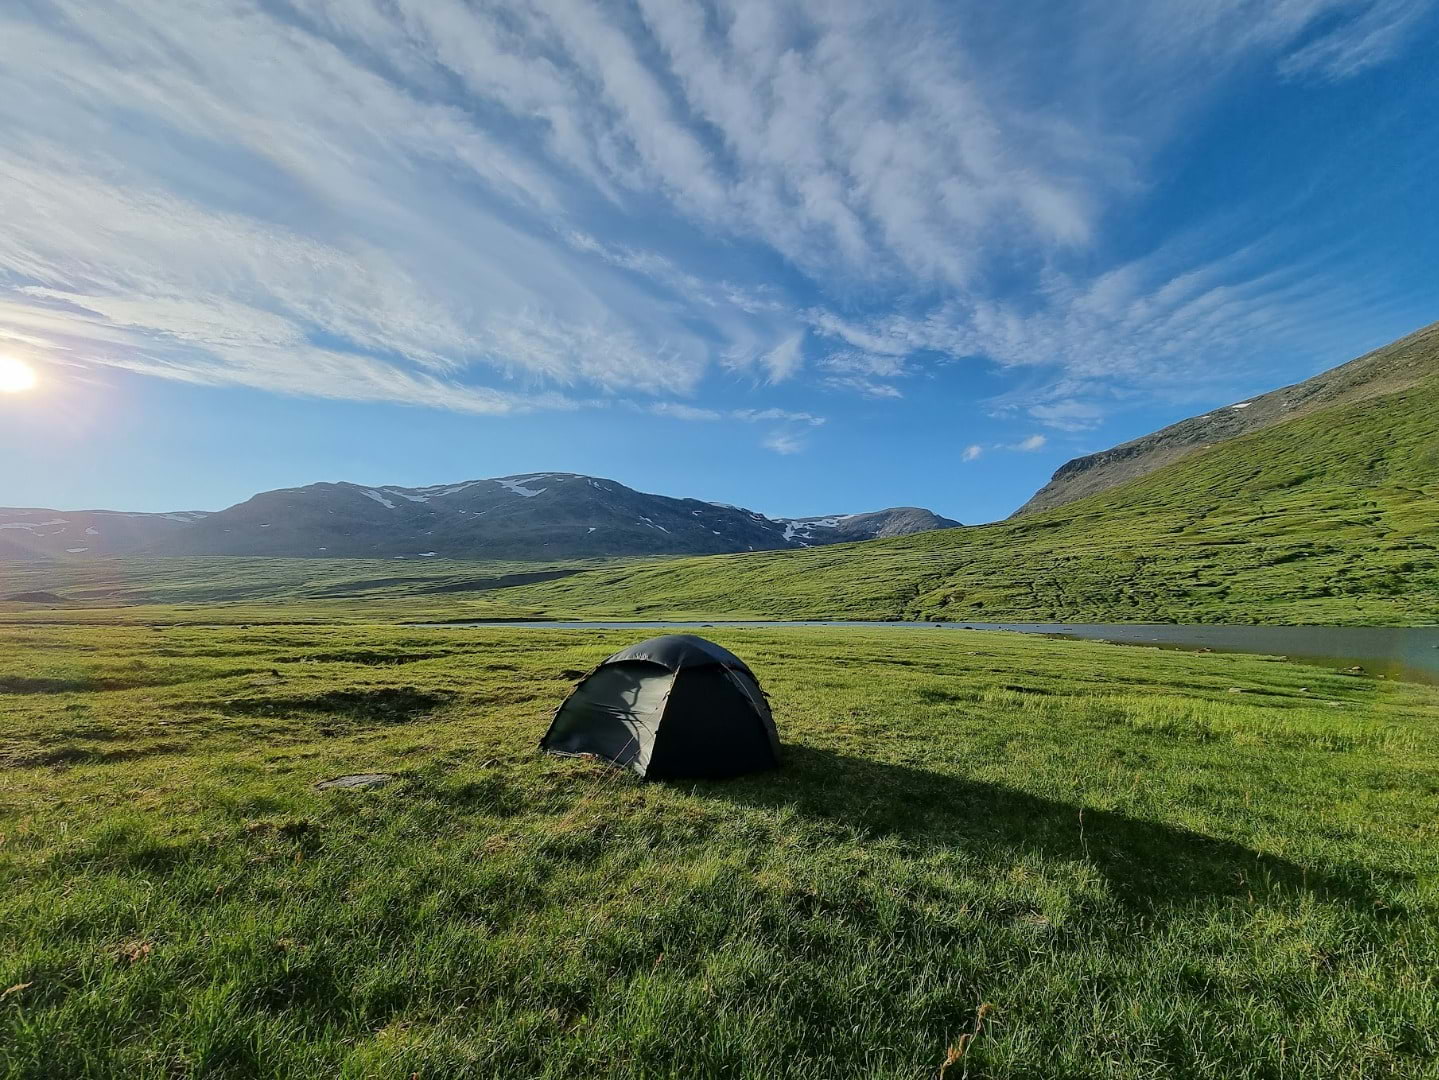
[566, 203]
[784, 442]
[681, 411]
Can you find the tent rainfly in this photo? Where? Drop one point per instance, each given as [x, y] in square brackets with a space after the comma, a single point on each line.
[670, 707]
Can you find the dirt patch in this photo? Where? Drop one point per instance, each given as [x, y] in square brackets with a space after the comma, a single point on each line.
[78, 754]
[384, 705]
[503, 581]
[356, 780]
[363, 656]
[19, 684]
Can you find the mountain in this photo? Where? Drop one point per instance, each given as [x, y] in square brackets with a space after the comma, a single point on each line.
[1395, 367]
[1330, 515]
[32, 534]
[896, 521]
[531, 516]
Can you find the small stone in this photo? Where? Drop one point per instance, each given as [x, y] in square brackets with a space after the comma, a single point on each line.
[1236, 690]
[356, 780]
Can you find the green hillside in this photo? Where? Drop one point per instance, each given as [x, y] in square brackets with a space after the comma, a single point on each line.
[1329, 518]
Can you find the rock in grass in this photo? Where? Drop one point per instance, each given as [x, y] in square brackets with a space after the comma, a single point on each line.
[356, 780]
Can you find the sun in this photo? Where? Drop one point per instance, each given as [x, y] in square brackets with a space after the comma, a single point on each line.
[16, 376]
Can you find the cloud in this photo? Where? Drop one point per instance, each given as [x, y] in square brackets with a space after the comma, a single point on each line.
[1375, 35]
[684, 412]
[565, 203]
[1030, 444]
[680, 411]
[972, 452]
[785, 358]
[783, 442]
[860, 372]
[755, 415]
[863, 363]
[860, 385]
[1068, 415]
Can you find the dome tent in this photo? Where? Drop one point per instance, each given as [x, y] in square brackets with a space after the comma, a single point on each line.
[670, 707]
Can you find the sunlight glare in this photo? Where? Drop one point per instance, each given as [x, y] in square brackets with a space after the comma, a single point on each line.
[16, 376]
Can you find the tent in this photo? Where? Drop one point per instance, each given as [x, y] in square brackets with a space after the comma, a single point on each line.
[672, 706]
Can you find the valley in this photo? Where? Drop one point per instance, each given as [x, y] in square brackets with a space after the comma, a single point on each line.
[1328, 517]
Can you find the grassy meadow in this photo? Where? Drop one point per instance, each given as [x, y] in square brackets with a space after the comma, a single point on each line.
[985, 856]
[144, 589]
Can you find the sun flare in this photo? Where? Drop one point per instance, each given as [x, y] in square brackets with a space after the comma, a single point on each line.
[16, 376]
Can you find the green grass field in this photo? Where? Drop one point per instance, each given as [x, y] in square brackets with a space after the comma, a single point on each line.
[223, 589]
[1017, 856]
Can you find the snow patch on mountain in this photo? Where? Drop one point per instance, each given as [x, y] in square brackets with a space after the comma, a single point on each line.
[371, 493]
[516, 485]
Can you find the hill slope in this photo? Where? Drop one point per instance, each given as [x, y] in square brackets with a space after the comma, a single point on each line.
[537, 516]
[1332, 517]
[1395, 367]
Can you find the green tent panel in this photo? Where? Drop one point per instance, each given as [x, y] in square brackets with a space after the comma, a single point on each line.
[671, 707]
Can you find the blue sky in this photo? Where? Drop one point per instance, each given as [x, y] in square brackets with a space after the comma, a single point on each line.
[804, 257]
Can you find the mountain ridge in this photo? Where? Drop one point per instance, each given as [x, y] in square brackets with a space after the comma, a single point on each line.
[546, 516]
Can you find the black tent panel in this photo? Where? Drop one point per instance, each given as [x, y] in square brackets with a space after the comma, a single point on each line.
[710, 729]
[613, 714]
[749, 687]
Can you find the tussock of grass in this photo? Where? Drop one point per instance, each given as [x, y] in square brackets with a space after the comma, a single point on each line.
[1131, 871]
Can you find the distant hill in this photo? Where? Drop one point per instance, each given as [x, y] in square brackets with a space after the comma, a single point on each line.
[1327, 515]
[31, 533]
[534, 516]
[1395, 367]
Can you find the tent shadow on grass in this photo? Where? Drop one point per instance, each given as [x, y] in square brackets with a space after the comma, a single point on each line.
[1148, 865]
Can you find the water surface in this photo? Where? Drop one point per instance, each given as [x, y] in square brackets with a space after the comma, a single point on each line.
[1399, 652]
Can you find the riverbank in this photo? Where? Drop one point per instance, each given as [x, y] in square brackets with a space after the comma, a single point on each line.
[1409, 653]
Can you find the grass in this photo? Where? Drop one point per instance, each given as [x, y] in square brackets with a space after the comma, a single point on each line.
[1023, 857]
[234, 590]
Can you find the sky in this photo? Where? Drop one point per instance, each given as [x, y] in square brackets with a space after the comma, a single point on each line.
[804, 257]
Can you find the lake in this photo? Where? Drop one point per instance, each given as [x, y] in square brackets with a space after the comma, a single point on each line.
[1410, 653]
